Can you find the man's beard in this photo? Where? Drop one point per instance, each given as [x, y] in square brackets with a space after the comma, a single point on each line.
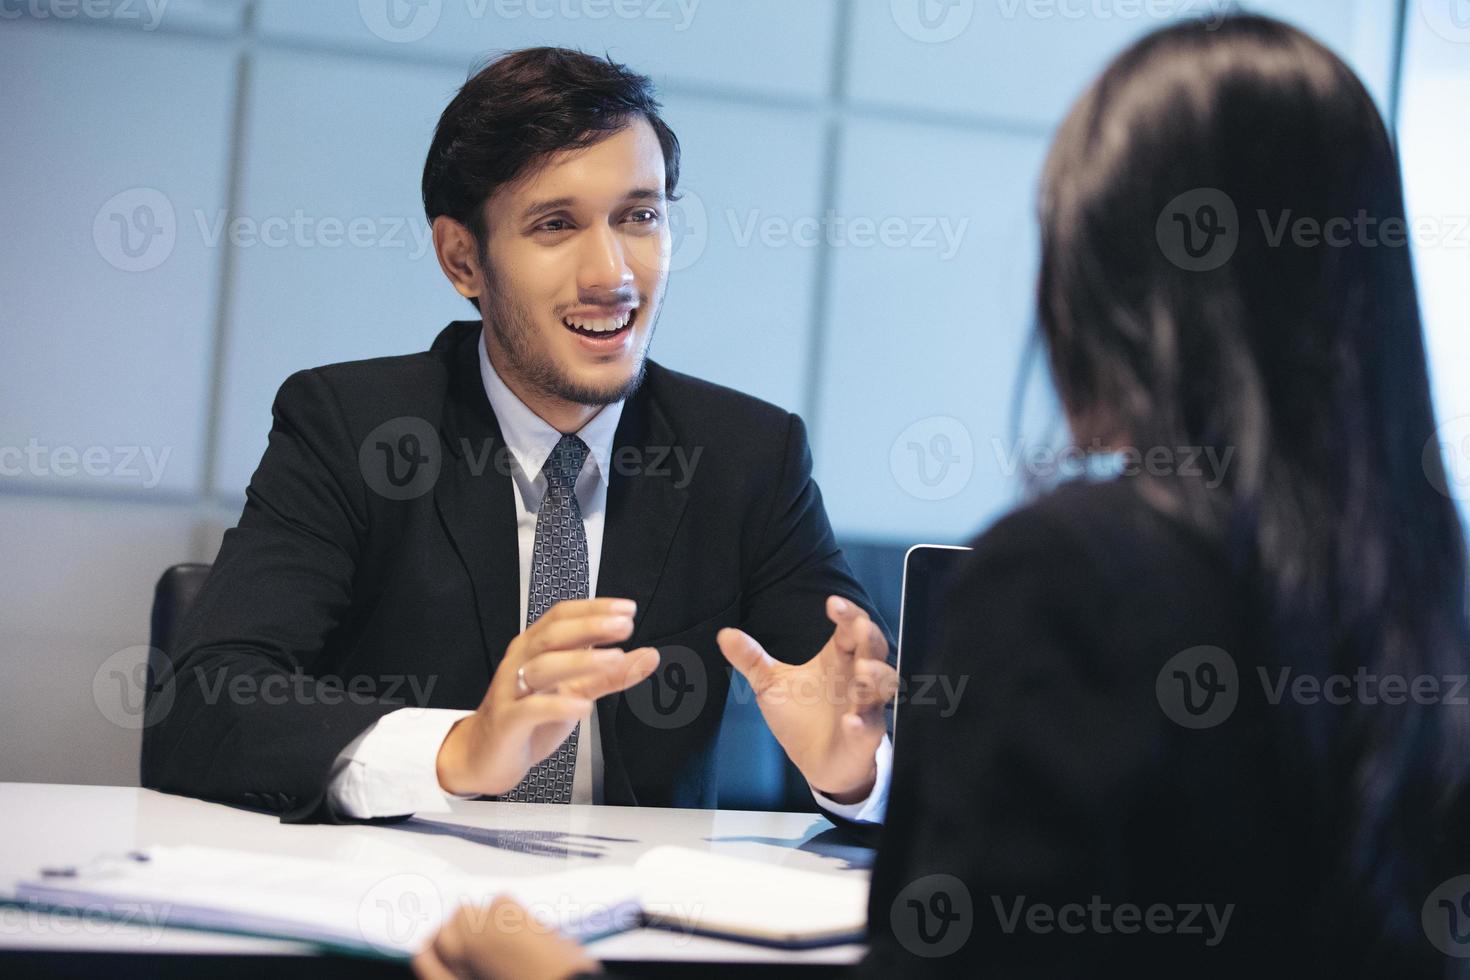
[515, 331]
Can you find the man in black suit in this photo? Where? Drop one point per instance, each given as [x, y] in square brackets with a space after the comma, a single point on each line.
[406, 609]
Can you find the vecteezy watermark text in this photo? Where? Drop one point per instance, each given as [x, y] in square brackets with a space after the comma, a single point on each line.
[1043, 462]
[148, 13]
[302, 230]
[405, 21]
[937, 233]
[1363, 686]
[403, 458]
[1201, 229]
[90, 919]
[135, 688]
[1098, 917]
[143, 463]
[1201, 687]
[138, 229]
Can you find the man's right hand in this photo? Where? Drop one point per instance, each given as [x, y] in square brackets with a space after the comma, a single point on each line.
[517, 726]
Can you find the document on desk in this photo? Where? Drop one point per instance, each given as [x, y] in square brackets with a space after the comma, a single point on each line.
[335, 904]
[393, 913]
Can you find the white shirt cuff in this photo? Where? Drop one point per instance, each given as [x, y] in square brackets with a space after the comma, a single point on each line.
[875, 806]
[391, 769]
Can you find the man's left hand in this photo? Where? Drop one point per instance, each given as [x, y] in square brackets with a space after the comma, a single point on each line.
[828, 712]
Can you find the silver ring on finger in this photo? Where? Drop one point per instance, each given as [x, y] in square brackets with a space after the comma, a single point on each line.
[522, 688]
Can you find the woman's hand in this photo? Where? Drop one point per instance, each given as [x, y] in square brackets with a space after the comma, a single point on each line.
[500, 942]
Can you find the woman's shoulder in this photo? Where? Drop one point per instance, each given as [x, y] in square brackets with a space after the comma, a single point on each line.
[1099, 544]
[1110, 520]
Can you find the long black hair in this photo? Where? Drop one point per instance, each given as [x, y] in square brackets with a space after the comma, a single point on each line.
[1224, 265]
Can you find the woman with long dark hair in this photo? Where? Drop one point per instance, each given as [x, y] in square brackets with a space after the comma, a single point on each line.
[1213, 720]
[1224, 277]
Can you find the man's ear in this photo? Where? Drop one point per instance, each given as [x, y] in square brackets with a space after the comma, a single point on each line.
[459, 256]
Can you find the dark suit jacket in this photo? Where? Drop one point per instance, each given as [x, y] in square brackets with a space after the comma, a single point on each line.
[1060, 777]
[376, 563]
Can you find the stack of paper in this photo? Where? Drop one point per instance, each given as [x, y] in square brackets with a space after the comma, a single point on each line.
[391, 912]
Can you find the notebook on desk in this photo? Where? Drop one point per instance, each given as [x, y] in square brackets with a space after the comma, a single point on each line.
[378, 911]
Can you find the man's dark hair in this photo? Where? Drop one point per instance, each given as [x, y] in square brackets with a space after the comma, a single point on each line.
[521, 108]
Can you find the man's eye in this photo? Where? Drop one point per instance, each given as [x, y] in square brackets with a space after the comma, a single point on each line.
[642, 215]
[554, 224]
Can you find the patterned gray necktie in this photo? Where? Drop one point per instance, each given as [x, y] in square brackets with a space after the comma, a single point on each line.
[558, 571]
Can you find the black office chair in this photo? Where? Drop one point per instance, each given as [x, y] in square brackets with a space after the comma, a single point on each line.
[175, 592]
[172, 596]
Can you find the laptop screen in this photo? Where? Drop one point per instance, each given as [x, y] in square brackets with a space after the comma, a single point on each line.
[927, 571]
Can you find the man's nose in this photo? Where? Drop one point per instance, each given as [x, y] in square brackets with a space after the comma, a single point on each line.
[604, 268]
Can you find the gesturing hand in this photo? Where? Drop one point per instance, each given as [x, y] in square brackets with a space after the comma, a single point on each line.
[828, 712]
[545, 684]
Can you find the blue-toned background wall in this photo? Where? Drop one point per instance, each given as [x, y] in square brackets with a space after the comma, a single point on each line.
[205, 195]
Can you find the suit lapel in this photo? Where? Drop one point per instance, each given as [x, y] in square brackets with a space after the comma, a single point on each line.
[476, 501]
[643, 512]
[644, 506]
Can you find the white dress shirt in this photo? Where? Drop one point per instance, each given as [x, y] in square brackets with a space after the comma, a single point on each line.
[391, 769]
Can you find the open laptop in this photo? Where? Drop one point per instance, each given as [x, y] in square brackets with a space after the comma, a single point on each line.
[928, 570]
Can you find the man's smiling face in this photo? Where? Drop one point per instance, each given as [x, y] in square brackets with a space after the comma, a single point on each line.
[575, 264]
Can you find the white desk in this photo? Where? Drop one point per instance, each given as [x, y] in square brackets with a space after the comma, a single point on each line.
[46, 825]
